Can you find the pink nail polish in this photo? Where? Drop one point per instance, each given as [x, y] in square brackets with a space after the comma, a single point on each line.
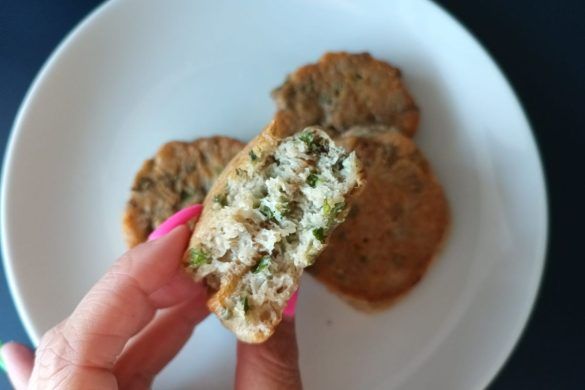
[291, 306]
[180, 218]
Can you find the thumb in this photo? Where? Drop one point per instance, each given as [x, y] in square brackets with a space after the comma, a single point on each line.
[18, 360]
[273, 364]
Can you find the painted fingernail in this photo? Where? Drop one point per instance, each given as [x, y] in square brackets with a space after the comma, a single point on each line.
[2, 365]
[177, 219]
[291, 306]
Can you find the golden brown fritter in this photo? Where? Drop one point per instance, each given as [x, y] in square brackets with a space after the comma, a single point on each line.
[343, 90]
[179, 175]
[395, 227]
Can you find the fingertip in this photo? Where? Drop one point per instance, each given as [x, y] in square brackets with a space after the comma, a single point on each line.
[2, 366]
[273, 364]
[18, 363]
[12, 350]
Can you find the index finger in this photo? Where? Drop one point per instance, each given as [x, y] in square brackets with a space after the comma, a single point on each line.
[120, 304]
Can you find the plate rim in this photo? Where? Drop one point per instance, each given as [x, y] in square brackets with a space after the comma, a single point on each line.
[9, 157]
[507, 351]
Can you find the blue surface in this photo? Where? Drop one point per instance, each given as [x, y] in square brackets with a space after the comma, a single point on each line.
[29, 31]
[539, 45]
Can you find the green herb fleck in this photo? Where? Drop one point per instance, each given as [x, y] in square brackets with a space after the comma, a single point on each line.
[220, 199]
[319, 234]
[308, 138]
[245, 304]
[197, 257]
[283, 208]
[185, 195]
[312, 180]
[262, 265]
[326, 207]
[266, 211]
[253, 155]
[315, 144]
[144, 184]
[337, 209]
[325, 99]
[332, 211]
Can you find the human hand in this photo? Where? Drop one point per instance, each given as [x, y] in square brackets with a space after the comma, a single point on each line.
[134, 321]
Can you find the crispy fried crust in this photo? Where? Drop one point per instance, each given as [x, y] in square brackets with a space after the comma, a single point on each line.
[395, 227]
[180, 174]
[343, 90]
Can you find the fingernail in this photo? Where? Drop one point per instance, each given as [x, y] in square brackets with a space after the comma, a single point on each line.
[180, 218]
[291, 306]
[2, 365]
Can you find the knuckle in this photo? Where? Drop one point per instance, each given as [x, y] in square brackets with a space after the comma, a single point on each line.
[50, 337]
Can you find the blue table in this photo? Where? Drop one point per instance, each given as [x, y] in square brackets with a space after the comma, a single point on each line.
[539, 45]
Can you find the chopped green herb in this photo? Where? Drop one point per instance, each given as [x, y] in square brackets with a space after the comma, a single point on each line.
[190, 168]
[283, 208]
[144, 184]
[240, 172]
[245, 304]
[225, 313]
[308, 87]
[319, 234]
[326, 207]
[339, 164]
[332, 211]
[253, 155]
[262, 265]
[308, 138]
[312, 180]
[220, 199]
[197, 257]
[311, 260]
[325, 99]
[314, 143]
[266, 211]
[185, 195]
[337, 209]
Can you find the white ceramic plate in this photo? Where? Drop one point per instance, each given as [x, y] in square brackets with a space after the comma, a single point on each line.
[136, 74]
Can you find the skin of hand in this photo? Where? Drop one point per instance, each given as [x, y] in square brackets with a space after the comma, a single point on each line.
[134, 321]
